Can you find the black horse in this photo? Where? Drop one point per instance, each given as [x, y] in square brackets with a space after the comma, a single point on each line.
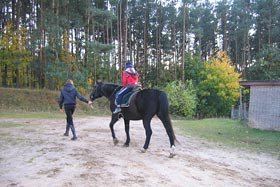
[144, 105]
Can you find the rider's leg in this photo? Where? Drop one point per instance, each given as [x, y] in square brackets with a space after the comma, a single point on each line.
[119, 97]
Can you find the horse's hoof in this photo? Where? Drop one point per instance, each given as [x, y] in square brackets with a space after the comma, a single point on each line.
[171, 155]
[125, 145]
[115, 141]
[172, 152]
[142, 150]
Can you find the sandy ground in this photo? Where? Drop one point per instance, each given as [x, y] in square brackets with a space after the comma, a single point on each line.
[37, 154]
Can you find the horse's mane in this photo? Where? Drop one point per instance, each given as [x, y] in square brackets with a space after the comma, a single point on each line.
[112, 84]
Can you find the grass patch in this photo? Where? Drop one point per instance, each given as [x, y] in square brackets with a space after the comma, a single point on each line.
[4, 134]
[39, 115]
[48, 115]
[233, 133]
[9, 125]
[37, 101]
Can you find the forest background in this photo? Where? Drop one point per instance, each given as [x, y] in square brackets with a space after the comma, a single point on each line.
[197, 51]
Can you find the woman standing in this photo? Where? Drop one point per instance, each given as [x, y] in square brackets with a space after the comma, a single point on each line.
[68, 100]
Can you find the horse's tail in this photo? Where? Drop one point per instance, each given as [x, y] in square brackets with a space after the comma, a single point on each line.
[163, 114]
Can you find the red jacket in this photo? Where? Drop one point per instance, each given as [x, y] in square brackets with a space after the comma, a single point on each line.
[129, 78]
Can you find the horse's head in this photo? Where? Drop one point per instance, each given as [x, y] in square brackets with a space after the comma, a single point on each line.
[97, 91]
[107, 90]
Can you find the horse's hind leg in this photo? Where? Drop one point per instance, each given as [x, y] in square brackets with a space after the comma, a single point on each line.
[114, 119]
[169, 130]
[148, 130]
[168, 127]
[126, 124]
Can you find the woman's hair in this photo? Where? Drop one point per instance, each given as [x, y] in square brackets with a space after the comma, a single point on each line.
[69, 81]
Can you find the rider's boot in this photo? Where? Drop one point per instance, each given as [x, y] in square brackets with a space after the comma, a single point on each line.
[117, 110]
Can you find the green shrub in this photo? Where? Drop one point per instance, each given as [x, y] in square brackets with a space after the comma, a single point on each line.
[182, 98]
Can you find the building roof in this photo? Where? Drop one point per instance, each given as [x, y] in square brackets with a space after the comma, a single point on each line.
[260, 83]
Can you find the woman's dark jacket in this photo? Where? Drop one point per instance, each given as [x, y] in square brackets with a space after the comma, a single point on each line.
[68, 96]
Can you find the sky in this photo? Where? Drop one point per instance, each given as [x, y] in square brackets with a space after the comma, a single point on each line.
[200, 1]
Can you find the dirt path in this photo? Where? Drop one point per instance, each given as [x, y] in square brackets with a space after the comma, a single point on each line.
[36, 154]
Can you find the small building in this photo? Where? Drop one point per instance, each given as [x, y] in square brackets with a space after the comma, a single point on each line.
[264, 104]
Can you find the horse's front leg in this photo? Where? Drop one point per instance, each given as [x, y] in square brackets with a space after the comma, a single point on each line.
[126, 125]
[114, 119]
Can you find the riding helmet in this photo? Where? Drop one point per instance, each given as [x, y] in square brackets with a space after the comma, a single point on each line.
[128, 65]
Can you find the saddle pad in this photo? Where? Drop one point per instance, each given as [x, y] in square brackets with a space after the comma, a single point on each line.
[127, 98]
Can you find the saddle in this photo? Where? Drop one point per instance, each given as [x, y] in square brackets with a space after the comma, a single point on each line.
[127, 98]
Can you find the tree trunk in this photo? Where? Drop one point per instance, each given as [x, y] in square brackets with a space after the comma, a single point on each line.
[184, 43]
[125, 34]
[157, 46]
[174, 52]
[120, 38]
[145, 43]
[41, 82]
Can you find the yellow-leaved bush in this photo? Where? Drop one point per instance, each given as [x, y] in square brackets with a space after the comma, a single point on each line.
[14, 55]
[219, 88]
